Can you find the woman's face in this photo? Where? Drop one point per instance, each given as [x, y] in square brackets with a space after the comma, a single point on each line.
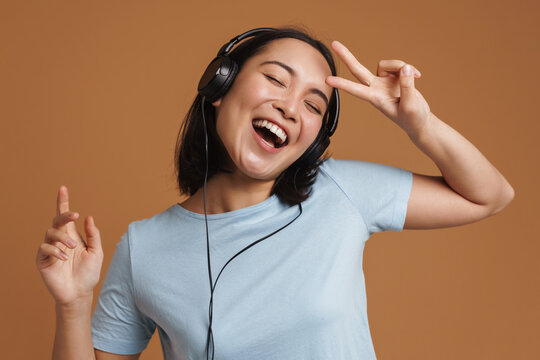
[283, 84]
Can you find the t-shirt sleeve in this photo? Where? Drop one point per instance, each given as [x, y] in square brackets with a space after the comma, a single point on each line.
[118, 326]
[379, 192]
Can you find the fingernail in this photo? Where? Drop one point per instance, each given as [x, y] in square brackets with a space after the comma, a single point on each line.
[407, 70]
[63, 255]
[71, 243]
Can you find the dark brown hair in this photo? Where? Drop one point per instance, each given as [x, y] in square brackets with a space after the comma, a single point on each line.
[293, 185]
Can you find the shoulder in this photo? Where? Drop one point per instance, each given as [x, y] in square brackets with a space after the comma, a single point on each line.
[379, 192]
[358, 170]
[357, 179]
[153, 225]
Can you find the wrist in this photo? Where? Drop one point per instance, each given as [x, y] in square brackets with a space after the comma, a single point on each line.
[426, 132]
[77, 308]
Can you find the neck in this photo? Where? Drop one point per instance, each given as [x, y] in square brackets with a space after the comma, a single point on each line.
[228, 192]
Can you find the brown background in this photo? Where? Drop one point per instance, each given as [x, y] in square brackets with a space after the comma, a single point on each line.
[92, 94]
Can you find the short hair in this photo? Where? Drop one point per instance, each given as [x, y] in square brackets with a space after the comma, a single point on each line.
[293, 185]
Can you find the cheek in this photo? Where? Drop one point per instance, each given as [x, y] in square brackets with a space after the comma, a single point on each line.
[223, 125]
[310, 130]
[256, 92]
[258, 88]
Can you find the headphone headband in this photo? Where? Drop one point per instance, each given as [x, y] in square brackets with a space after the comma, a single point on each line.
[253, 32]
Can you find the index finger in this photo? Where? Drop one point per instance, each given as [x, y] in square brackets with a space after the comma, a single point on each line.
[358, 70]
[62, 200]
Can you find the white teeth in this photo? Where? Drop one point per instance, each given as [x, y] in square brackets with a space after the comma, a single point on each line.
[273, 128]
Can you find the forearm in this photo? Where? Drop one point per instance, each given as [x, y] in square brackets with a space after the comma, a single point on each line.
[73, 340]
[463, 166]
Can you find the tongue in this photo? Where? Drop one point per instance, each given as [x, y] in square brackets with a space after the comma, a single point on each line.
[267, 136]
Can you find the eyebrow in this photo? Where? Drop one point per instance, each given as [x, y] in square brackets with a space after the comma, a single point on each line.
[291, 71]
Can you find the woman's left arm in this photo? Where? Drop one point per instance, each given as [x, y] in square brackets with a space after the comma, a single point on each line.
[470, 189]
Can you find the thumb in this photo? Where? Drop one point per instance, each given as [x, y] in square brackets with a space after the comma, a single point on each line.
[93, 237]
[406, 84]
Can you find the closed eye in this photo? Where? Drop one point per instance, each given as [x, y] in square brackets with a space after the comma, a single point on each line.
[314, 108]
[274, 79]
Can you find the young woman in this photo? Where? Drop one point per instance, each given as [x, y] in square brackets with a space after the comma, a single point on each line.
[283, 232]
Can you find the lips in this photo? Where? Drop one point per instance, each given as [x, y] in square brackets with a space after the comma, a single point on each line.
[267, 141]
[271, 132]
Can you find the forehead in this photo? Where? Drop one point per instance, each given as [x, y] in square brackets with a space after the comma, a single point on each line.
[304, 59]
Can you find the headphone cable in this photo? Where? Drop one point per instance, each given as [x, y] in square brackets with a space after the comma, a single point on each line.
[210, 335]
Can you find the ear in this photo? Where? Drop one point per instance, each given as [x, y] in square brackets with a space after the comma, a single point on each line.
[217, 103]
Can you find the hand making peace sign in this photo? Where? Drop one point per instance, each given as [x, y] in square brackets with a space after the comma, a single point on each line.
[392, 91]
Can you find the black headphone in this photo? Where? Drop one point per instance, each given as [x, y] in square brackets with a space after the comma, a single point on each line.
[220, 74]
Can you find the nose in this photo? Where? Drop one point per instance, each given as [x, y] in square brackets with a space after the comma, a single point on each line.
[288, 107]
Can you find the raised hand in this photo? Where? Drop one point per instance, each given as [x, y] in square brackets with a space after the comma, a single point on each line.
[69, 266]
[392, 91]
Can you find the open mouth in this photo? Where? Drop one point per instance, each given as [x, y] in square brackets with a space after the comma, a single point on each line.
[272, 134]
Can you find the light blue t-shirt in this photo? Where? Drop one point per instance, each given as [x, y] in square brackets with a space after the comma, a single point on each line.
[299, 294]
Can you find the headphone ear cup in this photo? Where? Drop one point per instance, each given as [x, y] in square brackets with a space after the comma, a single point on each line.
[217, 78]
[322, 141]
[315, 150]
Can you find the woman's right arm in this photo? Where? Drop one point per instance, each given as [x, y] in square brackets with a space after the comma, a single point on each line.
[70, 270]
[73, 339]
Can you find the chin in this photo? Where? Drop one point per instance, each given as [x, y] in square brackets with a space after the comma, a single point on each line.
[259, 169]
